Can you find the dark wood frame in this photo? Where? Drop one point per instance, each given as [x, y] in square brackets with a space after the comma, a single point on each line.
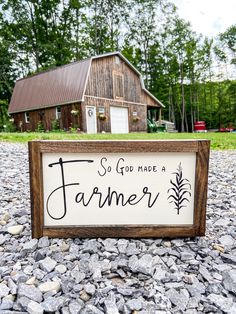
[200, 147]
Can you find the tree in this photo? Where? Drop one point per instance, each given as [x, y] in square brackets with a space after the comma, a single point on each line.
[8, 74]
[40, 30]
[141, 33]
[228, 40]
[104, 26]
[79, 21]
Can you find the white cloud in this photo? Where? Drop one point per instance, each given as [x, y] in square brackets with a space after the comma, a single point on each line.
[208, 17]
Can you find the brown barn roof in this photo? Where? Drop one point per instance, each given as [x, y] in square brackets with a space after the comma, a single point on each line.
[62, 85]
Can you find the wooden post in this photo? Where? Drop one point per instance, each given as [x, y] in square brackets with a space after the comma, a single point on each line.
[159, 120]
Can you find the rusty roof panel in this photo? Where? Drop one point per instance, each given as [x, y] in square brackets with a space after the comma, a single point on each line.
[54, 87]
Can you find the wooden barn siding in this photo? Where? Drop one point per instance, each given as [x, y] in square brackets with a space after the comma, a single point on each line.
[48, 116]
[68, 120]
[139, 126]
[146, 99]
[18, 117]
[100, 81]
[100, 78]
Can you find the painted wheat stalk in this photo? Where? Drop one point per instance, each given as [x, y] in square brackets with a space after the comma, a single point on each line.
[179, 191]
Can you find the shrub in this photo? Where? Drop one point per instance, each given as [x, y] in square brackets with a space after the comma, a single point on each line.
[40, 127]
[55, 125]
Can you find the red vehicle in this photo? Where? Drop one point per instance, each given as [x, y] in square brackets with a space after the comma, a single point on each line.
[229, 129]
[200, 126]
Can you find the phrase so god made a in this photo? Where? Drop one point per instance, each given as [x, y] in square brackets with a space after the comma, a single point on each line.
[121, 167]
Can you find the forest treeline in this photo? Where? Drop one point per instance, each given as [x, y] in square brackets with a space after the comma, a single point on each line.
[190, 74]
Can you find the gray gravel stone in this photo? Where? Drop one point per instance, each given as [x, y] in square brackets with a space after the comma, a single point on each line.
[122, 245]
[134, 304]
[38, 256]
[4, 290]
[43, 242]
[110, 245]
[111, 307]
[61, 268]
[230, 258]
[15, 230]
[12, 286]
[77, 274]
[6, 304]
[222, 222]
[186, 256]
[163, 303]
[132, 249]
[230, 280]
[89, 288]
[179, 299]
[49, 286]
[12, 312]
[91, 309]
[23, 302]
[159, 274]
[125, 291]
[53, 304]
[91, 246]
[97, 276]
[193, 303]
[227, 240]
[34, 308]
[75, 307]
[205, 273]
[142, 265]
[31, 245]
[47, 264]
[30, 292]
[197, 288]
[227, 305]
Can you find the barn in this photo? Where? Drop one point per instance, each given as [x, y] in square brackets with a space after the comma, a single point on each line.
[103, 93]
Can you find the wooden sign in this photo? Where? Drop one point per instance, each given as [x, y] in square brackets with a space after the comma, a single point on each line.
[118, 188]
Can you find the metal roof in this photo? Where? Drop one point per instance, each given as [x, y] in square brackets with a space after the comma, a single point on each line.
[65, 84]
[62, 85]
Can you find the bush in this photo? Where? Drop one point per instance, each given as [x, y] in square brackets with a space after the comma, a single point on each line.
[40, 127]
[8, 127]
[55, 125]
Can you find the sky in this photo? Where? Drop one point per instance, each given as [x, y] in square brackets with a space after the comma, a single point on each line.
[209, 17]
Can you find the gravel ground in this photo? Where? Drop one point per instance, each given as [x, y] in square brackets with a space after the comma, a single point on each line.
[116, 275]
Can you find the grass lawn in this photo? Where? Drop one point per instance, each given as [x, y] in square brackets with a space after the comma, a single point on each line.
[218, 140]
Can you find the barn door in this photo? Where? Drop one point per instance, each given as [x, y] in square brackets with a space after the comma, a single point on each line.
[119, 120]
[91, 119]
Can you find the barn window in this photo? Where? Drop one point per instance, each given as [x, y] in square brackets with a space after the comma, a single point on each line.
[58, 112]
[117, 60]
[27, 117]
[118, 85]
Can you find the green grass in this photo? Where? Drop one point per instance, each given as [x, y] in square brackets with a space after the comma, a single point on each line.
[219, 141]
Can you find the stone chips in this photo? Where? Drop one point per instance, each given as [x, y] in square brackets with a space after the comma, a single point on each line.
[116, 275]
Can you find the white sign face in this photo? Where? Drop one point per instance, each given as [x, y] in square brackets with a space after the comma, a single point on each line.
[83, 189]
